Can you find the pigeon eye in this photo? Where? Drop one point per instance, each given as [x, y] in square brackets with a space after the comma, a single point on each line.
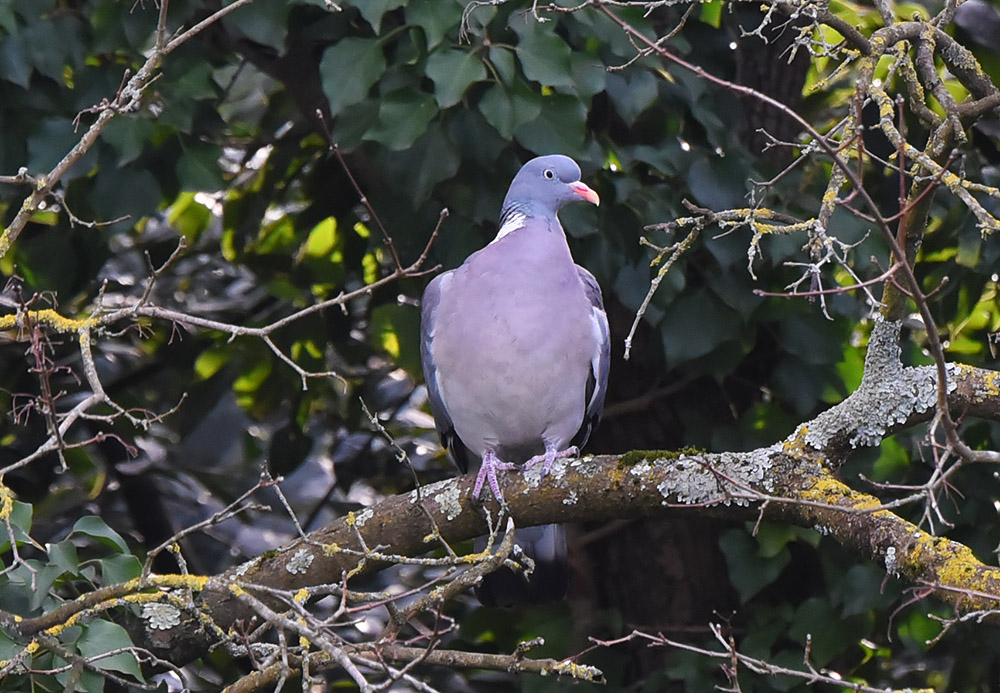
[548, 173]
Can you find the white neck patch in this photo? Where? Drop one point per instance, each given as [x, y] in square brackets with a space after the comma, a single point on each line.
[512, 223]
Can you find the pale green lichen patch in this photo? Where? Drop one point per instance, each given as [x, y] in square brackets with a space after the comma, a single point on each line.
[533, 476]
[891, 564]
[160, 616]
[449, 499]
[558, 470]
[300, 562]
[362, 517]
[724, 478]
[581, 672]
[641, 472]
[888, 395]
[424, 492]
[242, 569]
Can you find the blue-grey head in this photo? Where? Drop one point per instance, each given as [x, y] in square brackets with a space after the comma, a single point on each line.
[544, 185]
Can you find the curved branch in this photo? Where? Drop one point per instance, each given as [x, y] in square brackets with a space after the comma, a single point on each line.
[792, 480]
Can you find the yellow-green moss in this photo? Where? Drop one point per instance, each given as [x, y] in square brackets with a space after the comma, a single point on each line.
[826, 490]
[6, 502]
[192, 582]
[957, 565]
[45, 317]
[991, 383]
[797, 441]
[634, 457]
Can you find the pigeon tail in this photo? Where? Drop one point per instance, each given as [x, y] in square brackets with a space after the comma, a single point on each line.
[545, 546]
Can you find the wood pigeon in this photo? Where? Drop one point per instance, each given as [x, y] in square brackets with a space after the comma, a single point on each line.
[515, 351]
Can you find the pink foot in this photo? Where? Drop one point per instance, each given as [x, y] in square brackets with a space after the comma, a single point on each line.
[550, 456]
[488, 470]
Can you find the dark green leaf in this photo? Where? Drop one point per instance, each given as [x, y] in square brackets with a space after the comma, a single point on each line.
[749, 571]
[350, 128]
[435, 17]
[430, 160]
[772, 538]
[8, 20]
[632, 92]
[373, 10]
[474, 136]
[507, 108]
[502, 59]
[695, 324]
[806, 336]
[452, 72]
[54, 45]
[735, 289]
[261, 22]
[863, 589]
[18, 590]
[14, 65]
[799, 384]
[196, 81]
[44, 577]
[349, 68]
[9, 648]
[198, 169]
[893, 460]
[402, 118]
[129, 193]
[63, 555]
[544, 56]
[831, 633]
[95, 527]
[559, 128]
[109, 25]
[588, 75]
[917, 628]
[129, 135]
[101, 636]
[49, 143]
[120, 568]
[663, 158]
[717, 127]
[717, 182]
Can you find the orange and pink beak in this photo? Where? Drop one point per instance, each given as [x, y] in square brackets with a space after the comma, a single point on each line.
[586, 192]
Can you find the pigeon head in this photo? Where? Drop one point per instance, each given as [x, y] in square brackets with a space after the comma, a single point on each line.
[545, 184]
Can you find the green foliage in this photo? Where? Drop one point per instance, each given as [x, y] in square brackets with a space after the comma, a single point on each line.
[30, 588]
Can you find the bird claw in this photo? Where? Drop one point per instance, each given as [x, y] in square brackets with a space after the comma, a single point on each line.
[551, 455]
[488, 471]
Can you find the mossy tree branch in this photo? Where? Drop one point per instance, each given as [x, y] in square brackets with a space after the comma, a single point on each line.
[793, 480]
